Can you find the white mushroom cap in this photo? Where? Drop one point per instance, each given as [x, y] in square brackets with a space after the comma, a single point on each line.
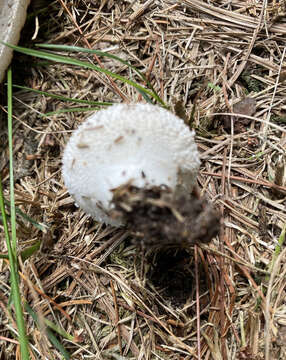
[141, 144]
[12, 19]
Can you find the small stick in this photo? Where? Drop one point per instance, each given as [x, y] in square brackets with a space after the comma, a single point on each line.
[198, 303]
[116, 317]
[251, 181]
[221, 262]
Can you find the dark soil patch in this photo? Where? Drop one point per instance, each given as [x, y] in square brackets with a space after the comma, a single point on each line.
[158, 217]
[170, 274]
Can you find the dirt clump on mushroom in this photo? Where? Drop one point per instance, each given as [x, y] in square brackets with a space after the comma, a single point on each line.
[157, 216]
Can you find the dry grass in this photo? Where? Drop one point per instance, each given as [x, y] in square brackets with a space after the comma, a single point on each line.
[90, 280]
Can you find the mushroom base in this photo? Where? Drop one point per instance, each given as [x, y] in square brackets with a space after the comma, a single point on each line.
[158, 216]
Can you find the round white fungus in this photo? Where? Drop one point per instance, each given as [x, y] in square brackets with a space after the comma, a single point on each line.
[140, 144]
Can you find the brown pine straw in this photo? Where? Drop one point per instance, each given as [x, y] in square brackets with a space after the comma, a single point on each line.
[115, 87]
[265, 183]
[198, 304]
[116, 317]
[206, 55]
[269, 313]
[222, 265]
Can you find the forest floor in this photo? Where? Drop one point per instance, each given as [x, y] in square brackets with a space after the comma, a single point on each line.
[106, 297]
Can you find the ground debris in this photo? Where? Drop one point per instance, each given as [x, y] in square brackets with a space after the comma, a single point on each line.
[247, 107]
[157, 216]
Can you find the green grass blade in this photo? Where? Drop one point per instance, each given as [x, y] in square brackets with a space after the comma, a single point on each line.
[26, 253]
[26, 217]
[277, 251]
[58, 330]
[61, 111]
[91, 51]
[11, 173]
[12, 254]
[64, 98]
[103, 54]
[83, 64]
[29, 251]
[49, 333]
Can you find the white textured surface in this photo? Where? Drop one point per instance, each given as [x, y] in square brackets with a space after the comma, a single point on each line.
[140, 143]
[12, 19]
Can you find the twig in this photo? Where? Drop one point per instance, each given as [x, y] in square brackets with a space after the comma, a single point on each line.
[198, 303]
[221, 262]
[273, 97]
[116, 317]
[251, 181]
[267, 310]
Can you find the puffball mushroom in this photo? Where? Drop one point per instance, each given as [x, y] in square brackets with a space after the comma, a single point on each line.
[12, 19]
[140, 144]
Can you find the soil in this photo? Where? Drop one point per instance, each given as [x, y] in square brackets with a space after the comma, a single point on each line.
[158, 217]
[171, 275]
[169, 223]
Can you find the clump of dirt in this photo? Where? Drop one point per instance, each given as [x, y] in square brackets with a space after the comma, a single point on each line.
[158, 217]
[247, 107]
